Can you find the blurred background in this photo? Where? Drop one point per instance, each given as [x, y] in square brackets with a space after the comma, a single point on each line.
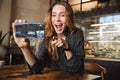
[99, 20]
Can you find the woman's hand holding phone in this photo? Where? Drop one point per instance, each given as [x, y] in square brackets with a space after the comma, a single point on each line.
[21, 42]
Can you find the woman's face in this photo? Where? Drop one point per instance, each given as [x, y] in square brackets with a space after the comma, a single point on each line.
[58, 18]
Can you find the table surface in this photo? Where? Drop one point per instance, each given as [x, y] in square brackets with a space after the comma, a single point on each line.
[19, 72]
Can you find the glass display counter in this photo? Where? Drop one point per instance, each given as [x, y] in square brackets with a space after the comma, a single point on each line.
[103, 39]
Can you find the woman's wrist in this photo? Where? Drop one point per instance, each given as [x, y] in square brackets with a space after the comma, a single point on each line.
[67, 49]
[24, 49]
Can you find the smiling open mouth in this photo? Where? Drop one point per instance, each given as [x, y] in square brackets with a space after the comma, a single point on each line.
[58, 26]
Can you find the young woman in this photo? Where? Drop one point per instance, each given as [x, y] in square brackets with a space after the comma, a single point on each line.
[62, 49]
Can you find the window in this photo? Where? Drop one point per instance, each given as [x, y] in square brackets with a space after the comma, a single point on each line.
[85, 0]
[82, 5]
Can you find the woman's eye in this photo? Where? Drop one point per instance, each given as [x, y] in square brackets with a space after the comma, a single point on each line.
[53, 15]
[63, 15]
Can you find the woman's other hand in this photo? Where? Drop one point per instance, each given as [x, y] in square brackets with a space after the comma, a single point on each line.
[21, 42]
[58, 42]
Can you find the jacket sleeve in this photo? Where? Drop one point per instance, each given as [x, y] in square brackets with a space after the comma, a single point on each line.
[76, 62]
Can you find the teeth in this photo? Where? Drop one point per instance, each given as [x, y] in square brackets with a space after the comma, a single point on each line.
[58, 25]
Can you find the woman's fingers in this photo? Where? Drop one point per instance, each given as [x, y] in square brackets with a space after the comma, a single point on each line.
[57, 42]
[53, 42]
[14, 29]
[14, 23]
[20, 21]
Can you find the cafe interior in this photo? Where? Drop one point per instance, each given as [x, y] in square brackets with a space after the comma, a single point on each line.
[98, 19]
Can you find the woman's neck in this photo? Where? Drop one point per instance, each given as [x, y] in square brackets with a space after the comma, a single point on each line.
[62, 36]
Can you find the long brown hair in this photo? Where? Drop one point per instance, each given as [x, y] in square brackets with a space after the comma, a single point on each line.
[49, 30]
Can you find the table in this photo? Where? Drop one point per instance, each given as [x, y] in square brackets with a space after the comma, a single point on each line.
[18, 72]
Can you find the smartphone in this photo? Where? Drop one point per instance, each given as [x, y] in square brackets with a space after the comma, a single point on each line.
[30, 30]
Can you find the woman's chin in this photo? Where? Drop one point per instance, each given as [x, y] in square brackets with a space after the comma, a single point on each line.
[59, 32]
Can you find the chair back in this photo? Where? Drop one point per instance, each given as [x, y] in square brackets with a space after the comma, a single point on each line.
[94, 67]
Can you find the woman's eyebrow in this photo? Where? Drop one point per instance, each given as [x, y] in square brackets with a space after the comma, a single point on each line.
[60, 12]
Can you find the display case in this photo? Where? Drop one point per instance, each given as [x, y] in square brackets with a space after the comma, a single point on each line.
[103, 39]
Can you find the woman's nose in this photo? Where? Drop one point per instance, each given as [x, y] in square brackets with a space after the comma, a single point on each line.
[57, 18]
